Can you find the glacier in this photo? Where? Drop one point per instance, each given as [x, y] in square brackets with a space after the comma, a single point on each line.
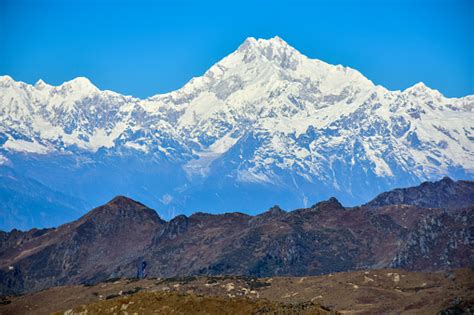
[264, 125]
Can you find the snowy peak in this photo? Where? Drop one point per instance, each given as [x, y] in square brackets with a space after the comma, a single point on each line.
[420, 89]
[79, 84]
[40, 84]
[251, 43]
[264, 115]
[274, 49]
[418, 86]
[6, 80]
[312, 113]
[269, 72]
[272, 43]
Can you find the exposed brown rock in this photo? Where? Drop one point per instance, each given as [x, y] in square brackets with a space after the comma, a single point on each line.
[88, 249]
[112, 240]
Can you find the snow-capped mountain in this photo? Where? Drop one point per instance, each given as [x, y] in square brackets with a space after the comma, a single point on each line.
[264, 124]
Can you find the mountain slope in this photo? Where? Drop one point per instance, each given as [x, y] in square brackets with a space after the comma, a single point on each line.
[265, 123]
[26, 203]
[445, 193]
[84, 250]
[112, 240]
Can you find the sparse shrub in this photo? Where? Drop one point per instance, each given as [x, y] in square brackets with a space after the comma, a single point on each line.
[112, 296]
[133, 291]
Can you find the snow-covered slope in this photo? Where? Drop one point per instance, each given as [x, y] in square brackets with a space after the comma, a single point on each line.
[264, 117]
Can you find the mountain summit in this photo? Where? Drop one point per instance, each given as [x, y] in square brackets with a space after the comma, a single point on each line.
[274, 49]
[265, 124]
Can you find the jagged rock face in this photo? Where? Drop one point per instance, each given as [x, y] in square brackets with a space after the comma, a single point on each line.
[264, 124]
[112, 240]
[439, 240]
[445, 193]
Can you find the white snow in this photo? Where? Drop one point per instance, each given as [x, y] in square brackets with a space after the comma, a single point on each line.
[253, 177]
[137, 146]
[25, 146]
[265, 88]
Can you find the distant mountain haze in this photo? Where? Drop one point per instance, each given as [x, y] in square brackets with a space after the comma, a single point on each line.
[112, 240]
[264, 125]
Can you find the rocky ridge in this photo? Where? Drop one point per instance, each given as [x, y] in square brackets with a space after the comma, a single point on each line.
[112, 240]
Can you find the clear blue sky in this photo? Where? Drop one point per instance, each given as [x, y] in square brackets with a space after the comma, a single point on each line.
[142, 48]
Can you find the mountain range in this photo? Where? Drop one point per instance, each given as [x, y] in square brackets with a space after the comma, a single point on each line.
[265, 124]
[112, 240]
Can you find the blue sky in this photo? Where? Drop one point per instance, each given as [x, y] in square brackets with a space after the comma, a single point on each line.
[142, 48]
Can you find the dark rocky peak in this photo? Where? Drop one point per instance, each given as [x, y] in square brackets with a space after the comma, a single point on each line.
[179, 220]
[124, 203]
[123, 208]
[178, 225]
[323, 239]
[16, 238]
[445, 193]
[330, 204]
[274, 211]
[447, 180]
[442, 183]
